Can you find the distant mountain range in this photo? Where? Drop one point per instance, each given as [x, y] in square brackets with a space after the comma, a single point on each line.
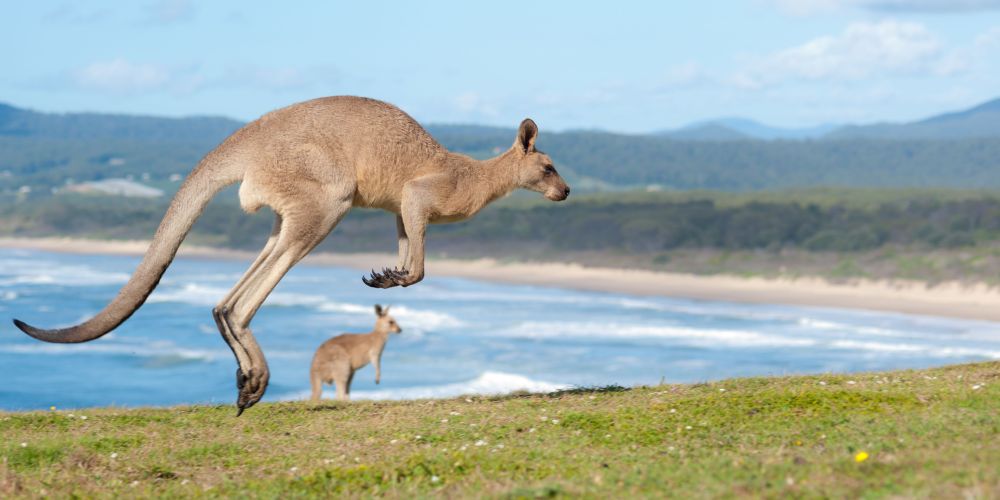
[979, 121]
[41, 153]
[727, 129]
[17, 122]
[976, 122]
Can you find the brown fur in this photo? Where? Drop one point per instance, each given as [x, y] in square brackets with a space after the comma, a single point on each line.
[311, 162]
[337, 359]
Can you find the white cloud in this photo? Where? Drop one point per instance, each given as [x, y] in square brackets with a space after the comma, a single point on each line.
[170, 11]
[681, 75]
[73, 13]
[805, 7]
[473, 103]
[932, 5]
[990, 39]
[269, 78]
[279, 79]
[122, 76]
[862, 50]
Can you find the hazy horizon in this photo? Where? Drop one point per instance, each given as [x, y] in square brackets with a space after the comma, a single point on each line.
[726, 121]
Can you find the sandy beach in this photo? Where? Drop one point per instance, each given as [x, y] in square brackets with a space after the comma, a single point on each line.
[948, 299]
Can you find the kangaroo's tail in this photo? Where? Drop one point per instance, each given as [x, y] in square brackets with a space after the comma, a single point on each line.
[198, 189]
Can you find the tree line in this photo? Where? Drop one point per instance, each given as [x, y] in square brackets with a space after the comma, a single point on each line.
[585, 225]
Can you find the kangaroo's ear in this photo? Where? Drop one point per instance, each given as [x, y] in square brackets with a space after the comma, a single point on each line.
[526, 135]
[386, 310]
[378, 310]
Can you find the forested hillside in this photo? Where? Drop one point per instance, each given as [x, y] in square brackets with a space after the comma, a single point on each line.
[45, 151]
[631, 224]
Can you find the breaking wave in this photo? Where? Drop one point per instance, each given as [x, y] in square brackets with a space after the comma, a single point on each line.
[706, 336]
[160, 349]
[409, 318]
[43, 272]
[489, 383]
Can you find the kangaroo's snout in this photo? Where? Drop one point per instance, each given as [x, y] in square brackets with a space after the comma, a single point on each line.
[556, 194]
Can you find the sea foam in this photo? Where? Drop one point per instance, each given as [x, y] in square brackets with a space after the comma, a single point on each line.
[487, 384]
[702, 336]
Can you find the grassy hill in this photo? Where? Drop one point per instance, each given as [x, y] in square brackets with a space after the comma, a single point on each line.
[925, 433]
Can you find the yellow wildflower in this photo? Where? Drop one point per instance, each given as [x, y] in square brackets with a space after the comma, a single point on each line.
[861, 457]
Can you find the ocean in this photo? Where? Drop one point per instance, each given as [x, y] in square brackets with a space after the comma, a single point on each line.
[459, 336]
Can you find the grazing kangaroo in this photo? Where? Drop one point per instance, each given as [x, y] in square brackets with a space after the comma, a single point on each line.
[311, 162]
[337, 359]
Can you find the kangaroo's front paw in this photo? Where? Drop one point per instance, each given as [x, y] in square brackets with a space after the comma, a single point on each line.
[388, 278]
[251, 386]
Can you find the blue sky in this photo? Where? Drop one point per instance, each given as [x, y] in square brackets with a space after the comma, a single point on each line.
[624, 66]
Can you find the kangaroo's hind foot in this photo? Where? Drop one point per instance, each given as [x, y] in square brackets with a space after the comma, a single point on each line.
[252, 375]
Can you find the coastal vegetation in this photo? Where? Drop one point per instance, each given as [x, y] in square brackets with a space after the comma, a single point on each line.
[916, 201]
[41, 151]
[929, 235]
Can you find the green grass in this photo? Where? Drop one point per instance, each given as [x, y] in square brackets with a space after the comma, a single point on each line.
[929, 433]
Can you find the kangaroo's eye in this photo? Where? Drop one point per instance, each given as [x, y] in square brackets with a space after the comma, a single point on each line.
[549, 170]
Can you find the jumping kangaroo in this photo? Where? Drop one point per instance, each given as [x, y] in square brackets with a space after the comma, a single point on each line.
[337, 359]
[311, 162]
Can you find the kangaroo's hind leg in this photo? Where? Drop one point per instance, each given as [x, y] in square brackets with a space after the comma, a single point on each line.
[240, 351]
[268, 247]
[347, 386]
[316, 381]
[303, 226]
[343, 375]
[341, 388]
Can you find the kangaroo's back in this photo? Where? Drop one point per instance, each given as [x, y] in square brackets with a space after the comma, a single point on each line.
[374, 143]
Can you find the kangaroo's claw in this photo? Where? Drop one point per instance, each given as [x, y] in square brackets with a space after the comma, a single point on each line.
[251, 388]
[388, 278]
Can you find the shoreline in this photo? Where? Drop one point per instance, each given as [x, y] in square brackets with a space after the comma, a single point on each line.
[955, 300]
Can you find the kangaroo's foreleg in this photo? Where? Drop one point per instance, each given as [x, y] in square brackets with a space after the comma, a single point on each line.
[418, 197]
[376, 362]
[416, 226]
[389, 278]
[404, 242]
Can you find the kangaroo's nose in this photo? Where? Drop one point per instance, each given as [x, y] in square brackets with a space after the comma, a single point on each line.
[567, 191]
